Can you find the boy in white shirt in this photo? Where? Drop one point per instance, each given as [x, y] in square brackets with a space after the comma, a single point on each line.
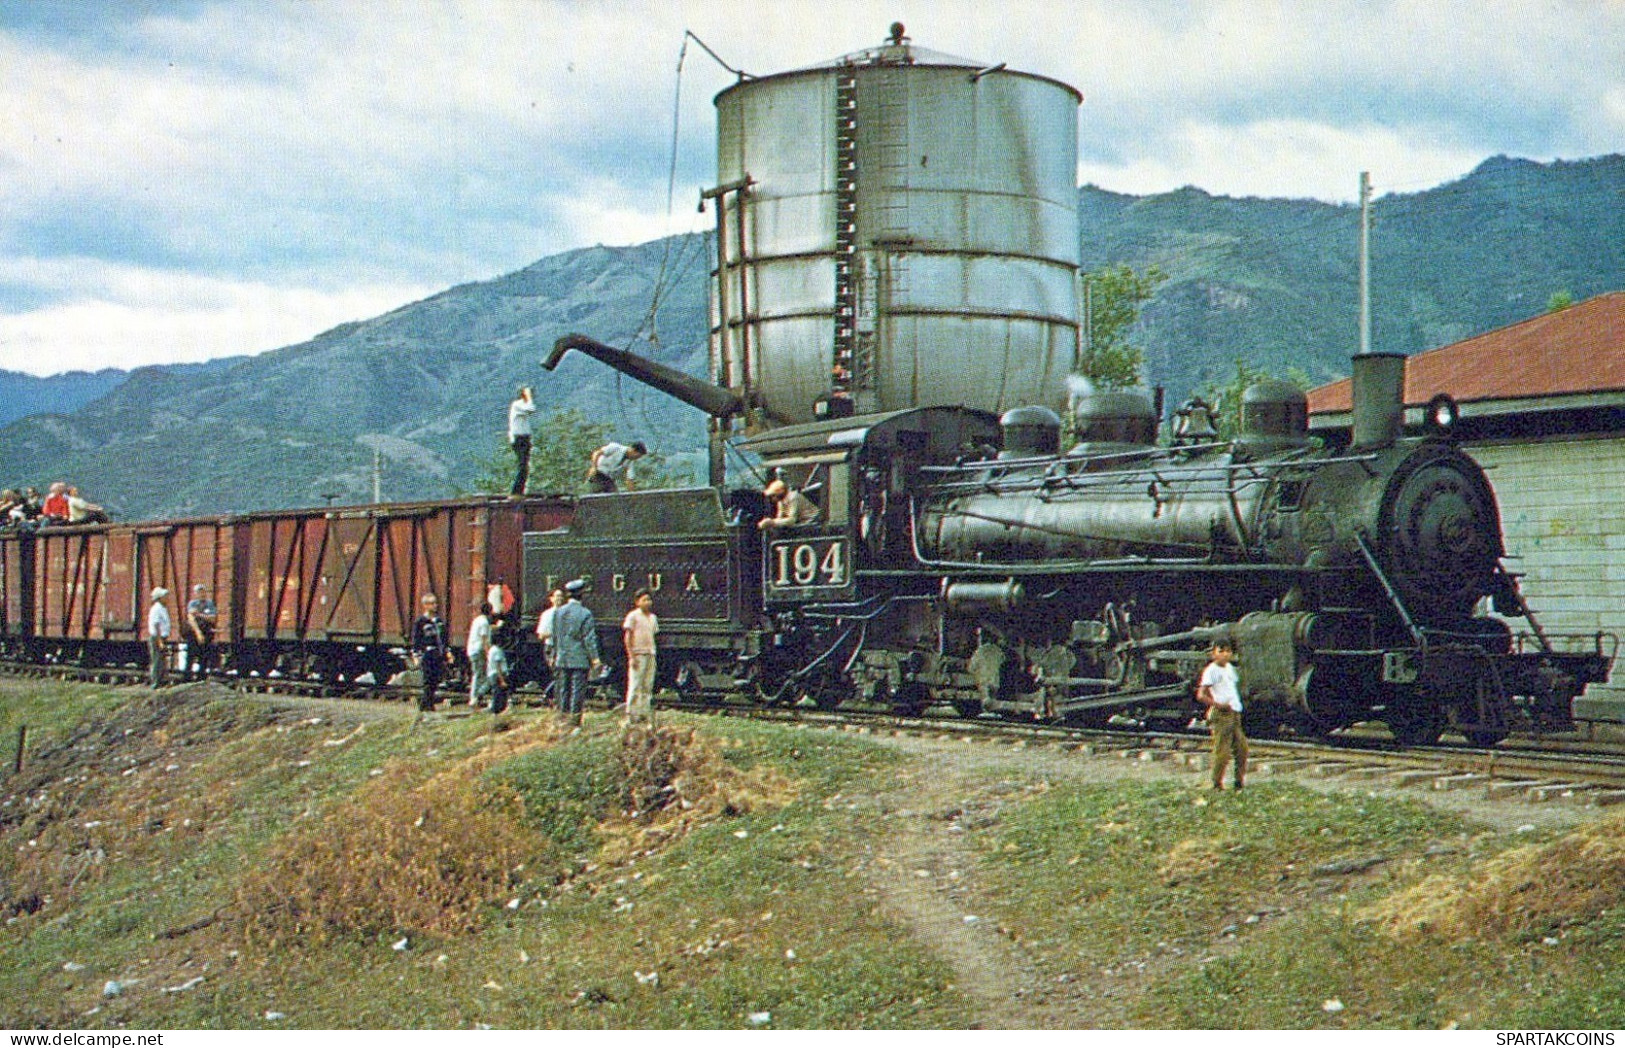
[638, 631]
[1220, 692]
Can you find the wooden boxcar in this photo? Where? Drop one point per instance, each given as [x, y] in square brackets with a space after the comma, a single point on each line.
[331, 591]
[310, 591]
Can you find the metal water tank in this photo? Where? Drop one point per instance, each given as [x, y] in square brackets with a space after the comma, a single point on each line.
[896, 228]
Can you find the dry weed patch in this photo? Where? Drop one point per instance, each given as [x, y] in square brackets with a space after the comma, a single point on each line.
[403, 855]
[676, 778]
[1525, 891]
[435, 856]
[115, 789]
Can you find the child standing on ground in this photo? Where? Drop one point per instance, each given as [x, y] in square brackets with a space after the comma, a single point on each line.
[638, 632]
[496, 670]
[1220, 692]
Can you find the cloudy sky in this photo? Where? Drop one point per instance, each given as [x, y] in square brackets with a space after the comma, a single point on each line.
[190, 179]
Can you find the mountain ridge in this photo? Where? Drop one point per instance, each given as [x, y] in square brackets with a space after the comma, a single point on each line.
[425, 385]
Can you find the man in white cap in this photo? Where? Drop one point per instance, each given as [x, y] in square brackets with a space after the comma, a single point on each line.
[157, 637]
[792, 509]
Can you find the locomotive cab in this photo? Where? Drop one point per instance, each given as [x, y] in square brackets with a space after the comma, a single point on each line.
[858, 473]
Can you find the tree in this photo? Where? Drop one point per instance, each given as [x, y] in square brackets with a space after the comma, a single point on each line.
[1114, 296]
[561, 446]
[1559, 300]
[1225, 398]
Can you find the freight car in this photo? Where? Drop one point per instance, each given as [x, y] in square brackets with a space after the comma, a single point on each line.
[326, 593]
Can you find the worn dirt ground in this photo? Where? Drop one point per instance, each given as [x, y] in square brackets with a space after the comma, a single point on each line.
[923, 872]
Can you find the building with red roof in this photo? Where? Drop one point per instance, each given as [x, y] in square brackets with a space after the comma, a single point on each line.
[1568, 363]
[1542, 407]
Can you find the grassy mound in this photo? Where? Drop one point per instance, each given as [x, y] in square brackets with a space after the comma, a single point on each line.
[522, 813]
[1527, 891]
[400, 856]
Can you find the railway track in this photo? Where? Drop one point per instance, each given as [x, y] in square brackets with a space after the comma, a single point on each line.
[1559, 770]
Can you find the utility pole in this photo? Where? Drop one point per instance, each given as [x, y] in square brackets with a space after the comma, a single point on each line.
[1365, 262]
[377, 475]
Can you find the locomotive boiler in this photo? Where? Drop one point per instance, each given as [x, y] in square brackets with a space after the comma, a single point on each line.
[1355, 579]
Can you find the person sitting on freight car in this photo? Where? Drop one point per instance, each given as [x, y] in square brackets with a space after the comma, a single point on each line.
[82, 512]
[25, 512]
[11, 508]
[611, 461]
[792, 509]
[201, 618]
[54, 510]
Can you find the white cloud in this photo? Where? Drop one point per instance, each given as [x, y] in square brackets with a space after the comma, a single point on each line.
[1283, 158]
[325, 145]
[126, 316]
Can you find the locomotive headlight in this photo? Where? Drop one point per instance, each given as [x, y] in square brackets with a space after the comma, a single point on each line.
[1442, 414]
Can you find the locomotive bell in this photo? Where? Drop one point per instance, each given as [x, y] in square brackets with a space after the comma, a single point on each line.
[1193, 423]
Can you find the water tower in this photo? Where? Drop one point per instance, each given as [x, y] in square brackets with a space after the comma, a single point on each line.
[896, 228]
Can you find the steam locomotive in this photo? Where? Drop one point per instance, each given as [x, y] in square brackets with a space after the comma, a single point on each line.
[966, 559]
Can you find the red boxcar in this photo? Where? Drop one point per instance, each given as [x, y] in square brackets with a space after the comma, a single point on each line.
[335, 589]
[91, 586]
[326, 591]
[16, 590]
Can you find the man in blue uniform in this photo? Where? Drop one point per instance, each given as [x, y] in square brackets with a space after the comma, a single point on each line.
[574, 650]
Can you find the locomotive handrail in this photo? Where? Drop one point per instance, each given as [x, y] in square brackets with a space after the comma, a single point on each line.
[1258, 467]
[1221, 477]
[1387, 587]
[1055, 567]
[1061, 532]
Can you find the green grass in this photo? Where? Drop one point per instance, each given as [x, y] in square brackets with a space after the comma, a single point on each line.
[1222, 911]
[1143, 887]
[714, 914]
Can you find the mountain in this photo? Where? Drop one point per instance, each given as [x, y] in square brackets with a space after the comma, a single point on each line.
[22, 395]
[425, 387]
[1275, 282]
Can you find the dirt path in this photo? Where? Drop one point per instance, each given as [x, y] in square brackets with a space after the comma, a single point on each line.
[923, 873]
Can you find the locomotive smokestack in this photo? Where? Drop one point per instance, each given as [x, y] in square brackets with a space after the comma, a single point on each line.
[1379, 399]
